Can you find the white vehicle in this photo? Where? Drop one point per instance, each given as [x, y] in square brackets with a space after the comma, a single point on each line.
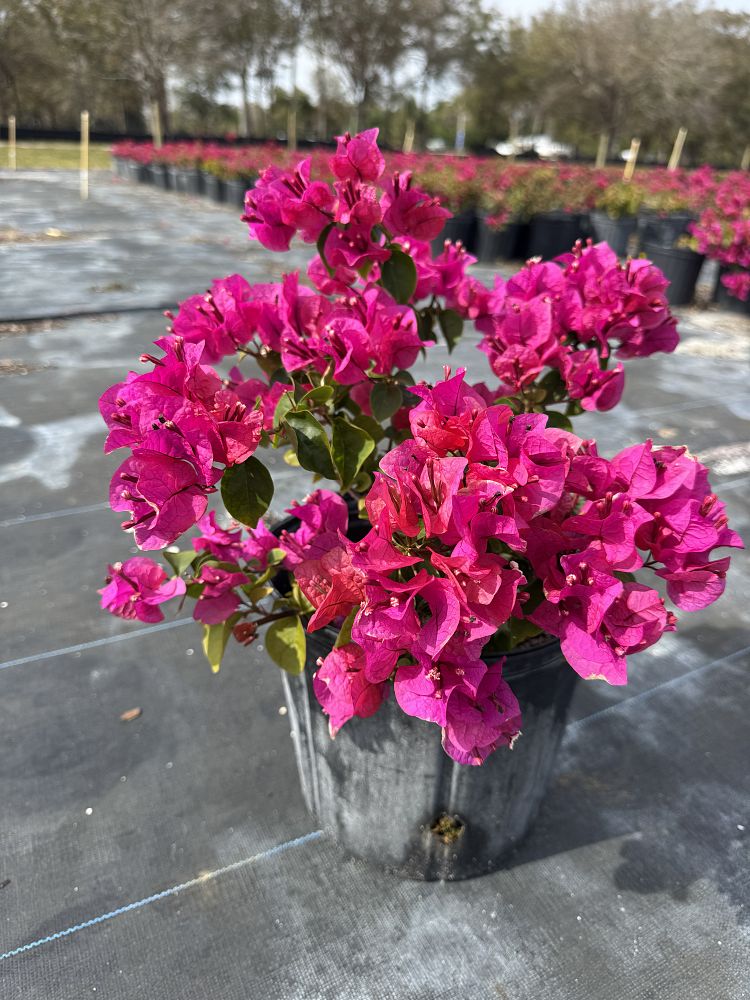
[545, 147]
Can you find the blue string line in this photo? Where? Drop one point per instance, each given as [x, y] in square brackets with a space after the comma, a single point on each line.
[659, 687]
[162, 626]
[164, 894]
[52, 514]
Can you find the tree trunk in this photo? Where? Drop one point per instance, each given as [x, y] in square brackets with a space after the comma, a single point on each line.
[244, 128]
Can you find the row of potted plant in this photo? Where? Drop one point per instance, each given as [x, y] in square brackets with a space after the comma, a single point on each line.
[516, 211]
[463, 555]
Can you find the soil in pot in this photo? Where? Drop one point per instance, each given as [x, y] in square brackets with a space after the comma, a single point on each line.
[681, 267]
[616, 232]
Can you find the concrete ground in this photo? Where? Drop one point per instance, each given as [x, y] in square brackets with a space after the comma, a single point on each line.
[171, 856]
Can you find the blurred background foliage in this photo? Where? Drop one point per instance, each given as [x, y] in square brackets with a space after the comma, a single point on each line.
[577, 71]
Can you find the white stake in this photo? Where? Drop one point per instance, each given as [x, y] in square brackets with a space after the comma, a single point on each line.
[629, 170]
[12, 142]
[674, 159]
[84, 155]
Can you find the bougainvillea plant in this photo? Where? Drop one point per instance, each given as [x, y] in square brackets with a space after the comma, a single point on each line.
[462, 519]
[722, 232]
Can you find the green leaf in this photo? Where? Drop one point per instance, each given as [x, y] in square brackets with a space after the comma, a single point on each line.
[452, 326]
[512, 401]
[215, 639]
[425, 324]
[345, 633]
[385, 400]
[179, 561]
[311, 443]
[247, 490]
[370, 425]
[321, 246]
[257, 592]
[351, 447]
[275, 556]
[269, 362]
[405, 378]
[284, 405]
[522, 629]
[320, 394]
[286, 643]
[299, 600]
[398, 275]
[557, 419]
[362, 483]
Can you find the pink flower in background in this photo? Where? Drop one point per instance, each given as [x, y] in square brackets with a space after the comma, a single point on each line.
[136, 587]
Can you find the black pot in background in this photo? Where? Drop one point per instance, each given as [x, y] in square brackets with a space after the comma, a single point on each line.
[213, 187]
[461, 227]
[186, 180]
[662, 230]
[615, 232]
[729, 302]
[681, 267]
[554, 233]
[384, 784]
[234, 190]
[162, 177]
[120, 166]
[137, 172]
[508, 243]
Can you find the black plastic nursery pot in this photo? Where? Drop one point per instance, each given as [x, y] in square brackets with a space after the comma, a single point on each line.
[120, 166]
[508, 243]
[616, 232]
[213, 187]
[161, 175]
[728, 302]
[137, 172]
[681, 267]
[386, 791]
[554, 233]
[186, 180]
[662, 230]
[234, 190]
[463, 227]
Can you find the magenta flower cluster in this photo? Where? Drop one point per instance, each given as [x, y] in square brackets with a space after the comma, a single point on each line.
[722, 232]
[476, 518]
[572, 320]
[476, 506]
